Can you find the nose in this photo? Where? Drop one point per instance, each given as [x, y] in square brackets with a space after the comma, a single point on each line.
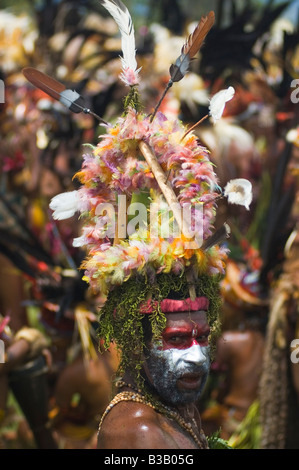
[197, 355]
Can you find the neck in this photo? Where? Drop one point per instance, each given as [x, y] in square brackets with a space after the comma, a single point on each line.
[187, 411]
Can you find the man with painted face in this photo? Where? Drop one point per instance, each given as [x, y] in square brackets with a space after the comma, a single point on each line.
[175, 369]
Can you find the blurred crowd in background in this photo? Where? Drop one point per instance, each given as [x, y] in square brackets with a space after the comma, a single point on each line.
[55, 383]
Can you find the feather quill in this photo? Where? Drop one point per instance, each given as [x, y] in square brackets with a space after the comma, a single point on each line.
[45, 83]
[123, 19]
[193, 44]
[69, 98]
[218, 237]
[196, 39]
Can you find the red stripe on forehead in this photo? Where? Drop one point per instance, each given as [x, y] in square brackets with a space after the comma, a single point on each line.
[172, 306]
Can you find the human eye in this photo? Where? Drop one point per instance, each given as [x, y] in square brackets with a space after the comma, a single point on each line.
[204, 338]
[176, 339]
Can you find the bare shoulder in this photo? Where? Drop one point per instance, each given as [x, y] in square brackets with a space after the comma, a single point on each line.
[131, 425]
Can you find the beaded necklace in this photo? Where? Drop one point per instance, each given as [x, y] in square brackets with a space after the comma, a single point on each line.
[137, 397]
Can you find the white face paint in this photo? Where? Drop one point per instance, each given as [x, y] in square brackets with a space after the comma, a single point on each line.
[196, 355]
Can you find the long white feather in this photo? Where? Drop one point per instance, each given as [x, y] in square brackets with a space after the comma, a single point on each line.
[122, 17]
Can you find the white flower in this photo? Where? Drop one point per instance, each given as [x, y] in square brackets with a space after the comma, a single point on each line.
[65, 205]
[217, 103]
[239, 191]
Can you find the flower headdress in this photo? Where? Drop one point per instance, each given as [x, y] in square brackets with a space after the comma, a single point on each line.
[153, 161]
[153, 166]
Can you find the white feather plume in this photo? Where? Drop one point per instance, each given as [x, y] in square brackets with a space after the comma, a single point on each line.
[122, 17]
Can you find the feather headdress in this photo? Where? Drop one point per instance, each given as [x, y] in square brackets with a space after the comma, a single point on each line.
[147, 202]
[157, 168]
[146, 164]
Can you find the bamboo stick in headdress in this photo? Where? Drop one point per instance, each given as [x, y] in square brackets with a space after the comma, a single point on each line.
[171, 199]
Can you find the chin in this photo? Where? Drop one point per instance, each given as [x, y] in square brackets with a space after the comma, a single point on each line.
[187, 396]
[184, 398]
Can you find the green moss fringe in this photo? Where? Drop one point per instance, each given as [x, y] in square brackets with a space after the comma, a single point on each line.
[132, 100]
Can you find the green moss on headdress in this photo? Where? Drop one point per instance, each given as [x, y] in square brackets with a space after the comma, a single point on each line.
[120, 319]
[132, 100]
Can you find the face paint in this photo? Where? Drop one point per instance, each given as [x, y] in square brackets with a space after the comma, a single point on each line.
[185, 336]
[179, 364]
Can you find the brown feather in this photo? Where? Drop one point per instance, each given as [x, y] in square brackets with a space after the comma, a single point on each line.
[45, 83]
[54, 89]
[195, 40]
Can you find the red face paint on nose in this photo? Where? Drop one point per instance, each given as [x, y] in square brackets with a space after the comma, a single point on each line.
[194, 336]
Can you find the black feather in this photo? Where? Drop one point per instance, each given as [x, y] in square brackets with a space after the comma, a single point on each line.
[217, 238]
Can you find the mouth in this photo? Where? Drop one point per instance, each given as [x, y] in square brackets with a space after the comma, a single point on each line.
[190, 381]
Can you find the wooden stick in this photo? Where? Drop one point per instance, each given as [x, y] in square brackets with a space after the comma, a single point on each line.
[122, 219]
[171, 199]
[165, 186]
